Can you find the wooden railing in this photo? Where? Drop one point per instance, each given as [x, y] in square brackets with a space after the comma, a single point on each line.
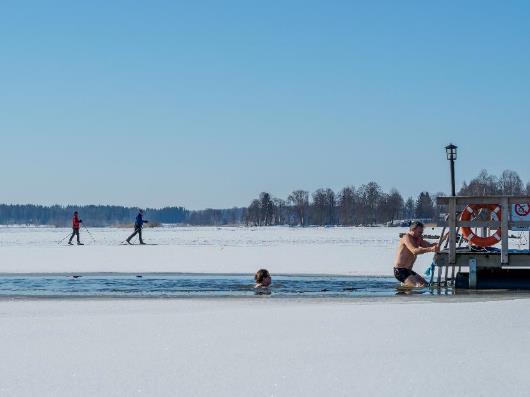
[506, 223]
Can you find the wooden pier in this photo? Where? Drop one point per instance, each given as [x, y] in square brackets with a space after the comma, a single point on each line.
[498, 268]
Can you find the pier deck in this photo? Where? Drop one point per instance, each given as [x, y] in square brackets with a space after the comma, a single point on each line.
[502, 267]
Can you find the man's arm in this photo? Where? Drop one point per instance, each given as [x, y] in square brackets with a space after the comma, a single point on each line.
[415, 249]
[426, 244]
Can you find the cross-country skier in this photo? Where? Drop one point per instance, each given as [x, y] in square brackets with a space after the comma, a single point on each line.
[138, 224]
[76, 223]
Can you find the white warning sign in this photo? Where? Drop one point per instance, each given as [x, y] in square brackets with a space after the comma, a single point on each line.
[521, 212]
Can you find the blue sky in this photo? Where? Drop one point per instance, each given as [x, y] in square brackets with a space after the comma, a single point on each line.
[207, 104]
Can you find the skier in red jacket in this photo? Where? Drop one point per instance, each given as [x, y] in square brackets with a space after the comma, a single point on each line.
[76, 223]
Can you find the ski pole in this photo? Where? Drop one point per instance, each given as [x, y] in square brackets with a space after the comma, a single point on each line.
[90, 234]
[64, 238]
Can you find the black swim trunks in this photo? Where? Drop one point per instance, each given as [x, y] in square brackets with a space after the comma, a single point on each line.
[401, 273]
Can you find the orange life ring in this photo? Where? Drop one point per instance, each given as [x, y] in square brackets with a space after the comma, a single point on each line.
[470, 212]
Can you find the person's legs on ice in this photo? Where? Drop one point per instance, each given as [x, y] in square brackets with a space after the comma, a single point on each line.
[71, 237]
[136, 231]
[140, 236]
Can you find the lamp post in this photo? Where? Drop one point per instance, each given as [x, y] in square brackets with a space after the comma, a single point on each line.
[450, 150]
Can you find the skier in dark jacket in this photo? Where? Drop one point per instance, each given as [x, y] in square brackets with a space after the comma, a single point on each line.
[76, 223]
[138, 224]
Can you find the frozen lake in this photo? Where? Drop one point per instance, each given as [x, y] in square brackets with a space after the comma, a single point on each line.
[300, 347]
[209, 236]
[192, 347]
[282, 250]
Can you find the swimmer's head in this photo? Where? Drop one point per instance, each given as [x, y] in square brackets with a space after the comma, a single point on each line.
[263, 278]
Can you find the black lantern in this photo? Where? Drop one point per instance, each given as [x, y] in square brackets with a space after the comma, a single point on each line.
[450, 150]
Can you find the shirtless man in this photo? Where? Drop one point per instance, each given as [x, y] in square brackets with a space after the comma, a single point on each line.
[410, 246]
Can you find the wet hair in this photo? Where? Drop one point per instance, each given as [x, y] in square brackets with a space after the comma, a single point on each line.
[414, 225]
[261, 274]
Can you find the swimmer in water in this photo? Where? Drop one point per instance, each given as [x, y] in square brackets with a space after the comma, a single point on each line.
[263, 279]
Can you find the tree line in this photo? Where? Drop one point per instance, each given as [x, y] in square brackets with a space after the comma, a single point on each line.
[369, 204]
[508, 183]
[93, 215]
[364, 205]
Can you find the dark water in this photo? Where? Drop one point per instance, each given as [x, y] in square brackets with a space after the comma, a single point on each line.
[195, 285]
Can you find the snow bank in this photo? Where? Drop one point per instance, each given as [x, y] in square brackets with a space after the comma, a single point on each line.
[263, 348]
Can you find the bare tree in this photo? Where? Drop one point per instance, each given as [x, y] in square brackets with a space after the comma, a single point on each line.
[266, 209]
[370, 195]
[280, 215]
[331, 206]
[319, 207]
[510, 183]
[489, 185]
[384, 212]
[299, 199]
[410, 208]
[483, 185]
[395, 205]
[254, 213]
[346, 205]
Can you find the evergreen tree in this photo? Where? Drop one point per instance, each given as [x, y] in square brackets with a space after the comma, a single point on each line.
[424, 206]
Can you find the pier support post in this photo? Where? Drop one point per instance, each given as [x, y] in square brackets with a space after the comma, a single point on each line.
[472, 273]
[506, 214]
[452, 230]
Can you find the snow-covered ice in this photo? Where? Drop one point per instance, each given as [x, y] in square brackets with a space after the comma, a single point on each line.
[263, 348]
[317, 250]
